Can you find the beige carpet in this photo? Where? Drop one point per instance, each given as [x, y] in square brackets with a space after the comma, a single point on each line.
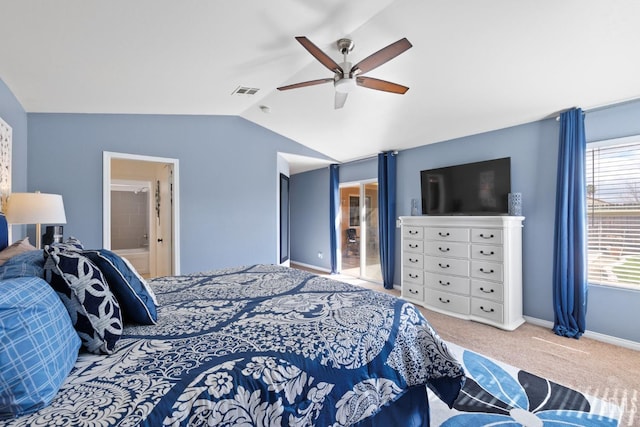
[606, 371]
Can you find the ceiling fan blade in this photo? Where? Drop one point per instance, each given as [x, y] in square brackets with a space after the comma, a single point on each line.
[383, 85]
[322, 57]
[341, 98]
[305, 84]
[380, 57]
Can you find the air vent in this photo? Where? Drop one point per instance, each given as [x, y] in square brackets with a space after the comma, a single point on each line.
[242, 90]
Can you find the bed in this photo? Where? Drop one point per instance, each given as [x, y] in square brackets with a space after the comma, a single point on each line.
[258, 345]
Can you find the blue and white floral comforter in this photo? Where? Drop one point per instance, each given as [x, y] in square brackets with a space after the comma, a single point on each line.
[261, 346]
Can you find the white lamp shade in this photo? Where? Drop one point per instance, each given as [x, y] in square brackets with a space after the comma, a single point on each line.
[35, 208]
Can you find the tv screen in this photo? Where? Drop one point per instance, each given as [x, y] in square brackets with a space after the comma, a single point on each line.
[479, 188]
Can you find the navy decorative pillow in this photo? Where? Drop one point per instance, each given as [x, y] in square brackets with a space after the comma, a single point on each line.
[71, 244]
[29, 263]
[39, 345]
[136, 302]
[94, 310]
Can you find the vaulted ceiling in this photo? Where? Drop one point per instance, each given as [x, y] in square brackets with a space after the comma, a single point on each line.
[475, 66]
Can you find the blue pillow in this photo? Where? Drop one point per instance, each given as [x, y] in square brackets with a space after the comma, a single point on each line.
[30, 263]
[94, 310]
[135, 300]
[71, 244]
[39, 345]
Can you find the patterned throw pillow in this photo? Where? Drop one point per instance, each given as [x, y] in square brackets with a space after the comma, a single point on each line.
[94, 310]
[71, 244]
[136, 302]
[39, 345]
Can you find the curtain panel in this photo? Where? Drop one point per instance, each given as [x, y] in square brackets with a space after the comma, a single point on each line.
[570, 246]
[387, 215]
[334, 208]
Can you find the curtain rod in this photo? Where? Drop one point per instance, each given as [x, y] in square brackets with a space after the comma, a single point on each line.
[362, 159]
[594, 108]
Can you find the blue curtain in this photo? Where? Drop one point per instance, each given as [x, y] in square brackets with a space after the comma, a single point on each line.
[334, 207]
[387, 215]
[570, 248]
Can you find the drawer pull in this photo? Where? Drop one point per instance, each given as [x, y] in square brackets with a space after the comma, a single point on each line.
[482, 270]
[413, 231]
[411, 291]
[441, 234]
[487, 311]
[484, 236]
[444, 265]
[444, 249]
[443, 283]
[413, 246]
[490, 291]
[445, 301]
[415, 276]
[413, 260]
[487, 253]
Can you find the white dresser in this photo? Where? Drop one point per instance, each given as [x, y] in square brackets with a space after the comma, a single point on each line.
[465, 266]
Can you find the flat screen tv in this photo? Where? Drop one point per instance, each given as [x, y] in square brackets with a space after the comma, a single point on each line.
[479, 188]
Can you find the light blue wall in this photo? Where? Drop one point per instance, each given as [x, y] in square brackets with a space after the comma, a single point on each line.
[228, 177]
[310, 218]
[310, 210]
[14, 115]
[533, 150]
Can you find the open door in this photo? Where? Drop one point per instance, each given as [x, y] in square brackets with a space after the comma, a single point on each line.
[140, 212]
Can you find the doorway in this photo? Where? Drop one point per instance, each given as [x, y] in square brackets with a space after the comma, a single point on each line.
[140, 212]
[360, 245]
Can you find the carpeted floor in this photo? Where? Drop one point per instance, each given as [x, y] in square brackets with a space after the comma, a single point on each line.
[602, 370]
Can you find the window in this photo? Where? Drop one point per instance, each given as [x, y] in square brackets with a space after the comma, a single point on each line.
[613, 212]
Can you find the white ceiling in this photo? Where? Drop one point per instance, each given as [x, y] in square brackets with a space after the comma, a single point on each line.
[475, 66]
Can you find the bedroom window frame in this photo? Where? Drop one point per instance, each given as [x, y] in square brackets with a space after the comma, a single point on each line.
[613, 212]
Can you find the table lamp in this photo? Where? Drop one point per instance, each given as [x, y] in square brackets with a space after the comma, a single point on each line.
[35, 208]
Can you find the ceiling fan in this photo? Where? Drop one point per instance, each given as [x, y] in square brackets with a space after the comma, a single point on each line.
[347, 77]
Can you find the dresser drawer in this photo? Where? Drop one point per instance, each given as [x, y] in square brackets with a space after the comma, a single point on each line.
[447, 234]
[410, 232]
[453, 249]
[412, 260]
[443, 265]
[487, 309]
[486, 235]
[412, 275]
[449, 302]
[413, 245]
[488, 290]
[486, 252]
[459, 285]
[414, 292]
[486, 270]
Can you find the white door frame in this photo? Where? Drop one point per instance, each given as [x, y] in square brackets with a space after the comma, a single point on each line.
[107, 156]
[363, 237]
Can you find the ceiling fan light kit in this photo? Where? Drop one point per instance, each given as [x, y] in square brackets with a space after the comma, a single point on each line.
[345, 84]
[347, 77]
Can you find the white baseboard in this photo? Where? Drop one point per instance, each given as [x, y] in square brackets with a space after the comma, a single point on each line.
[314, 267]
[609, 339]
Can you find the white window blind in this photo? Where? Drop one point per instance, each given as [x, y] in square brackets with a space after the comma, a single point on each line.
[613, 213]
